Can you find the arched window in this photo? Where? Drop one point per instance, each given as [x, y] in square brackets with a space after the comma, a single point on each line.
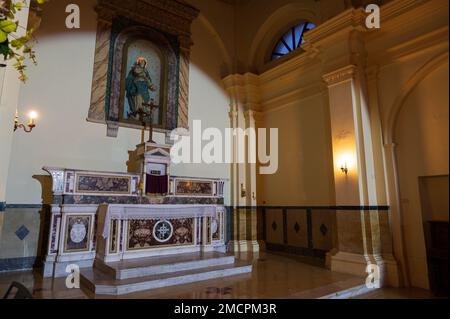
[291, 40]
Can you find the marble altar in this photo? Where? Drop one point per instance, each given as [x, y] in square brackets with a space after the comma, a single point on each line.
[101, 217]
[134, 231]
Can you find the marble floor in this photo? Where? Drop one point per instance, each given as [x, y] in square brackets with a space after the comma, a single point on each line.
[273, 276]
[397, 293]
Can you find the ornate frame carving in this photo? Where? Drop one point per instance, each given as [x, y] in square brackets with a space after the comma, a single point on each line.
[173, 18]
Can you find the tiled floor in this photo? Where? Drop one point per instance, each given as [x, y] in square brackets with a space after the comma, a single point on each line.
[397, 293]
[273, 276]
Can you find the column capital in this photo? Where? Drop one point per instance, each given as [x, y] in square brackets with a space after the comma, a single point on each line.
[233, 107]
[251, 115]
[233, 115]
[390, 145]
[340, 75]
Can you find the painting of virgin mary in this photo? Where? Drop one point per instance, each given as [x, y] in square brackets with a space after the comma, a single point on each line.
[143, 65]
[138, 86]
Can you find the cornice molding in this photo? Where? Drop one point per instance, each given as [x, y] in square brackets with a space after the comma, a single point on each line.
[430, 41]
[340, 75]
[243, 88]
[302, 61]
[351, 19]
[173, 16]
[255, 116]
[294, 96]
[397, 8]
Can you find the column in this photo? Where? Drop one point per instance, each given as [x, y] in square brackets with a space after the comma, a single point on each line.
[251, 119]
[359, 231]
[243, 96]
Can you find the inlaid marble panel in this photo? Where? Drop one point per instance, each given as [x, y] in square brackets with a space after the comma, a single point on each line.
[89, 183]
[349, 231]
[113, 236]
[215, 228]
[323, 229]
[144, 234]
[77, 234]
[274, 226]
[193, 187]
[297, 228]
[54, 234]
[96, 199]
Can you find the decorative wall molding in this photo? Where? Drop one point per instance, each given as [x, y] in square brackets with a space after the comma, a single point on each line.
[243, 89]
[294, 96]
[341, 75]
[436, 39]
[352, 19]
[252, 117]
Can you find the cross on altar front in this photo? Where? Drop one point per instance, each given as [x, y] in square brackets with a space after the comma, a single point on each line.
[163, 230]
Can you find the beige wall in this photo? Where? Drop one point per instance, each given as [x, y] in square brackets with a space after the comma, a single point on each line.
[9, 95]
[59, 90]
[421, 134]
[304, 175]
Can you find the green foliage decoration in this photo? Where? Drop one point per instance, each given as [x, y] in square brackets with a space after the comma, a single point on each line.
[13, 46]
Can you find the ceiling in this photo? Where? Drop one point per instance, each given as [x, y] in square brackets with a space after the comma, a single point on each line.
[235, 2]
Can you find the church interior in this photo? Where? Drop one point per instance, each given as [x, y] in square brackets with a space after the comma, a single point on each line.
[214, 149]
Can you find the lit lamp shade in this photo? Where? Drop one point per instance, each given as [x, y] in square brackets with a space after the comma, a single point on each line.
[33, 116]
[345, 162]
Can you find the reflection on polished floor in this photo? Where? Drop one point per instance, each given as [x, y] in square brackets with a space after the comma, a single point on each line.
[273, 276]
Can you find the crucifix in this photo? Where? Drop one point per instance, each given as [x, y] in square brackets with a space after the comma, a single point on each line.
[143, 116]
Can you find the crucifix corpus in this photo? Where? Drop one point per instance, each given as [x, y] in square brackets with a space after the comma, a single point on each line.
[150, 107]
[145, 114]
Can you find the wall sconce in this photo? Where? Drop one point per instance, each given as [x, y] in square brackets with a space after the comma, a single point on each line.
[345, 163]
[344, 168]
[31, 123]
[243, 191]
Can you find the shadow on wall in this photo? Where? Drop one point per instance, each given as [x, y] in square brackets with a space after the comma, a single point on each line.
[46, 187]
[45, 217]
[208, 53]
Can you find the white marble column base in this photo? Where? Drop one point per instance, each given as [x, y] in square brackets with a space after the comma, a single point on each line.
[243, 246]
[356, 264]
[58, 269]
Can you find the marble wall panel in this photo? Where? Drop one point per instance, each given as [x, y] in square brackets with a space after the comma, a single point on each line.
[297, 228]
[323, 229]
[274, 226]
[19, 233]
[349, 234]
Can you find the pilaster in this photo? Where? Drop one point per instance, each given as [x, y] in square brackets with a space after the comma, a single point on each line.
[244, 115]
[360, 233]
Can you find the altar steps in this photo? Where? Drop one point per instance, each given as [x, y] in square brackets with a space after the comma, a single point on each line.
[141, 267]
[158, 272]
